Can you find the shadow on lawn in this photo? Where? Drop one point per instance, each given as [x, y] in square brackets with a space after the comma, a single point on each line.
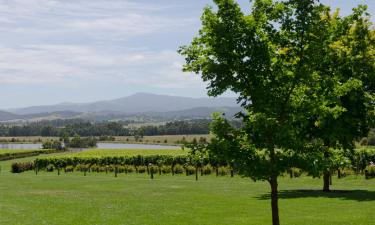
[357, 195]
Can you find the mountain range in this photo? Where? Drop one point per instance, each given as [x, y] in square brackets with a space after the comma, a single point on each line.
[144, 105]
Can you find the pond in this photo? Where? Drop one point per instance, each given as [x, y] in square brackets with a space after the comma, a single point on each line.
[100, 146]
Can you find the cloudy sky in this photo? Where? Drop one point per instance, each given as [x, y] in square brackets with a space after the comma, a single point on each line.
[55, 51]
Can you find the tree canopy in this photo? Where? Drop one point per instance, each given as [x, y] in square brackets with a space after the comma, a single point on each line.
[304, 76]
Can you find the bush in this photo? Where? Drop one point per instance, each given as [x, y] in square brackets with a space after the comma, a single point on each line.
[142, 169]
[178, 169]
[166, 169]
[364, 142]
[129, 169]
[50, 168]
[153, 169]
[223, 170]
[69, 169]
[19, 167]
[190, 170]
[94, 168]
[370, 171]
[207, 169]
[53, 144]
[295, 172]
[371, 137]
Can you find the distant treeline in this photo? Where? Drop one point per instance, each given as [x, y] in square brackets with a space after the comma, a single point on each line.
[86, 129]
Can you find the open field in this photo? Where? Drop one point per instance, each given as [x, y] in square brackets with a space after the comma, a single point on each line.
[5, 151]
[71, 198]
[6, 154]
[123, 152]
[26, 139]
[163, 139]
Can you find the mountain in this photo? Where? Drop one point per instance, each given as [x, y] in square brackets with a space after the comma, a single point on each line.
[8, 116]
[137, 103]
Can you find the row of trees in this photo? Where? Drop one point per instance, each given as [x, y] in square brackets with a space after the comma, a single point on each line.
[85, 129]
[305, 77]
[68, 142]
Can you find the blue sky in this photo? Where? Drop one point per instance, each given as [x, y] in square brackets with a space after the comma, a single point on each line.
[55, 51]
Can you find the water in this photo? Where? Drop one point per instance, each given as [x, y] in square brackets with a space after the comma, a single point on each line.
[100, 146]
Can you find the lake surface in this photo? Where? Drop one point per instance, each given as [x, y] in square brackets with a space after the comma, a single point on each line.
[100, 146]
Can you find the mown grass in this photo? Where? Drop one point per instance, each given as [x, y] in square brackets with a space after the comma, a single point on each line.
[71, 198]
[93, 153]
[159, 139]
[5, 151]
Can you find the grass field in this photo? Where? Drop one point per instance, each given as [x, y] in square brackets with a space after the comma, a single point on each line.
[6, 154]
[123, 152]
[162, 139]
[72, 199]
[5, 151]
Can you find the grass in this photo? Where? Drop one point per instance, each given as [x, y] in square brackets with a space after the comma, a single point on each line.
[163, 139]
[6, 151]
[170, 139]
[6, 154]
[46, 198]
[122, 152]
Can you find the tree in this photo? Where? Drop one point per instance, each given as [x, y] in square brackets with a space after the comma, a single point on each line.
[272, 59]
[347, 87]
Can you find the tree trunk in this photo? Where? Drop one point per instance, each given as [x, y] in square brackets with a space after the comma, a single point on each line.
[196, 173]
[326, 176]
[274, 201]
[339, 174]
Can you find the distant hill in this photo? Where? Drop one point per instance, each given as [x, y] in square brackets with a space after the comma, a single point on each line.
[138, 107]
[8, 116]
[137, 103]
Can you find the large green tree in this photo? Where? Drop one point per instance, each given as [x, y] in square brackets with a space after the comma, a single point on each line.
[347, 66]
[272, 58]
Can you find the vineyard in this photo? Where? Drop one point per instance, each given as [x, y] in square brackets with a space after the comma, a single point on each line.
[127, 161]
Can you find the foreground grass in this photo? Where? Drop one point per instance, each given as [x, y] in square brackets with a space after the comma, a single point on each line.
[135, 199]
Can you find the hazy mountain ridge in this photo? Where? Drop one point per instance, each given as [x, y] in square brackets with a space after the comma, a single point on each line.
[137, 103]
[139, 106]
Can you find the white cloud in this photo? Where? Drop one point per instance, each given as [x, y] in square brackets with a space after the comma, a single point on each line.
[69, 63]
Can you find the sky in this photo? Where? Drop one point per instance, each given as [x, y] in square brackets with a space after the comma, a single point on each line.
[54, 51]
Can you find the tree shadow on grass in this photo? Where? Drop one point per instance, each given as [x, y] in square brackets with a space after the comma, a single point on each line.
[356, 195]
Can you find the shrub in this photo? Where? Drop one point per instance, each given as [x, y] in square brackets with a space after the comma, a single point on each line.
[129, 169]
[153, 169]
[364, 141]
[295, 172]
[69, 169]
[53, 144]
[207, 169]
[178, 169]
[223, 170]
[19, 167]
[166, 169]
[190, 170]
[50, 168]
[142, 169]
[370, 171]
[94, 168]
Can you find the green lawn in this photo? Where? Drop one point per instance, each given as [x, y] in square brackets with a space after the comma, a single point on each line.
[46, 198]
[5, 151]
[123, 152]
